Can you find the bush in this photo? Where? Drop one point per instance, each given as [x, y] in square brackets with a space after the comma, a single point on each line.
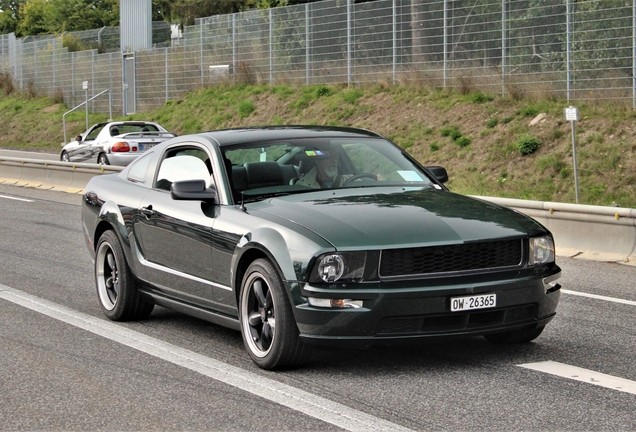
[352, 96]
[463, 141]
[492, 122]
[245, 108]
[527, 144]
[529, 111]
[6, 83]
[481, 98]
[451, 131]
[323, 90]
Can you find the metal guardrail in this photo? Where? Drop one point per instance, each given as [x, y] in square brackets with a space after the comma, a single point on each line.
[584, 231]
[58, 175]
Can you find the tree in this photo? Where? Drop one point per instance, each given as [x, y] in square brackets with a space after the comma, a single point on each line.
[74, 15]
[184, 12]
[33, 18]
[11, 6]
[58, 16]
[8, 23]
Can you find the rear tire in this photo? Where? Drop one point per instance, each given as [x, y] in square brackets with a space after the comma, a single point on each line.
[522, 335]
[268, 327]
[116, 289]
[102, 159]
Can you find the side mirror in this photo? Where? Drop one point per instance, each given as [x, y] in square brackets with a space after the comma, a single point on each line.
[78, 138]
[439, 173]
[192, 190]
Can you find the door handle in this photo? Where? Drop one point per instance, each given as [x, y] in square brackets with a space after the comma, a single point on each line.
[148, 212]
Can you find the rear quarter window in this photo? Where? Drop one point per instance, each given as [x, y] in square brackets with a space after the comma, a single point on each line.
[139, 168]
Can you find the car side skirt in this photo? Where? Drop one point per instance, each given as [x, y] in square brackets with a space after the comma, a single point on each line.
[204, 314]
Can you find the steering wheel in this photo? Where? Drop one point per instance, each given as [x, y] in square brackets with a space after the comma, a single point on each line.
[359, 176]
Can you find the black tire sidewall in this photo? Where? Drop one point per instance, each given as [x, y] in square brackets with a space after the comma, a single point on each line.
[126, 282]
[285, 336]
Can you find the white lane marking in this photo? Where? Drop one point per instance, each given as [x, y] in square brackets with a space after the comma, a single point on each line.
[583, 375]
[299, 400]
[17, 199]
[599, 297]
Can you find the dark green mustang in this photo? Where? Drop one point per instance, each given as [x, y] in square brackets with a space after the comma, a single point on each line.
[303, 235]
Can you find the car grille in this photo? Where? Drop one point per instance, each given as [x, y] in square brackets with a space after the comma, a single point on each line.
[456, 321]
[451, 258]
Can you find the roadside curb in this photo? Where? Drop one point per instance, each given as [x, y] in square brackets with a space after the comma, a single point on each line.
[40, 185]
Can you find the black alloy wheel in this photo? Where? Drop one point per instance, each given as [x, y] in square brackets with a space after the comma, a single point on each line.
[269, 331]
[116, 288]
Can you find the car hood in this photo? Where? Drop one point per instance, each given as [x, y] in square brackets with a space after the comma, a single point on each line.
[404, 217]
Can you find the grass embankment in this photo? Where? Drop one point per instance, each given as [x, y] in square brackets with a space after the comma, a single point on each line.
[489, 144]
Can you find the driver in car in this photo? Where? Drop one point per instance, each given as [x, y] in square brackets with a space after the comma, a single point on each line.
[324, 174]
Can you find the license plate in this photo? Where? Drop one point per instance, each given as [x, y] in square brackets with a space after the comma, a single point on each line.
[146, 146]
[473, 302]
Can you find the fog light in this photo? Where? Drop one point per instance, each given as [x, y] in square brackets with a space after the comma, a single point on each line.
[550, 283]
[335, 303]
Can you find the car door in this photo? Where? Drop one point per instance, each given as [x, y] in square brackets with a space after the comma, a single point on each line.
[99, 136]
[83, 150]
[176, 237]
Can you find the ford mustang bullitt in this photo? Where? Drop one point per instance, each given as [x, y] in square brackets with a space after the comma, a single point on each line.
[299, 236]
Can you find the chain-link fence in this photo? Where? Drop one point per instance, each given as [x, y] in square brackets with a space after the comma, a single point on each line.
[565, 49]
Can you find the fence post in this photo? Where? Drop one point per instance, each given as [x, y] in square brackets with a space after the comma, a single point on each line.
[445, 64]
[271, 48]
[633, 53]
[394, 11]
[349, 25]
[201, 50]
[307, 52]
[166, 68]
[234, 44]
[568, 30]
[504, 37]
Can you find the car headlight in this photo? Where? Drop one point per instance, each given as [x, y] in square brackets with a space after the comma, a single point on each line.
[339, 267]
[541, 250]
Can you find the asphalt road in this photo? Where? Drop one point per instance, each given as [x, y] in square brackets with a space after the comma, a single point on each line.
[63, 366]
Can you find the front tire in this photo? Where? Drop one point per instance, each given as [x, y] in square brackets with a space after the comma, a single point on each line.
[65, 157]
[522, 335]
[116, 289]
[268, 327]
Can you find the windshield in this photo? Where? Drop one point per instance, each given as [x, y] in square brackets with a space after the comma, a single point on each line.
[294, 166]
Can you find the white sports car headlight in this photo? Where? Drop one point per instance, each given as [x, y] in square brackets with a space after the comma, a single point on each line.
[541, 250]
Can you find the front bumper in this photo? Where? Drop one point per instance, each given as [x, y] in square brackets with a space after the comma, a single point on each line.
[405, 311]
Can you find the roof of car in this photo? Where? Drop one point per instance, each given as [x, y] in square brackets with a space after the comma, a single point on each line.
[267, 133]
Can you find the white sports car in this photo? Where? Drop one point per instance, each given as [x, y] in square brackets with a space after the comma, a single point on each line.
[114, 143]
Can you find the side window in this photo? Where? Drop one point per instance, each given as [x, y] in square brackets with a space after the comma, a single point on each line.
[139, 168]
[183, 164]
[93, 134]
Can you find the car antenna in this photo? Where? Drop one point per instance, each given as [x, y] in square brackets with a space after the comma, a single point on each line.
[242, 207]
